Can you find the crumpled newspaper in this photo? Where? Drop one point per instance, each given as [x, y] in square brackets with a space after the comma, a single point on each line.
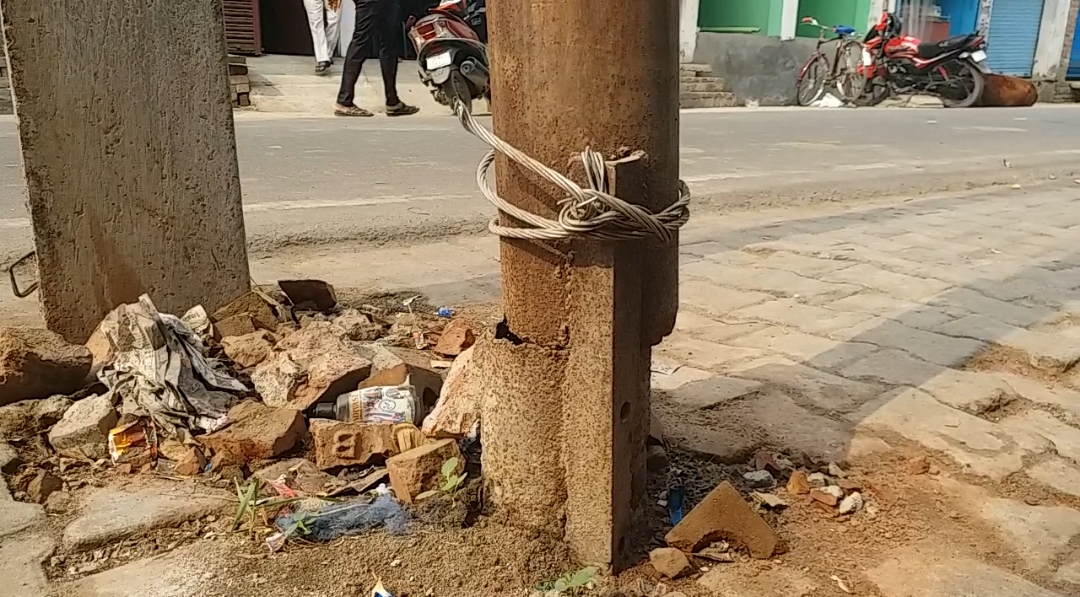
[160, 370]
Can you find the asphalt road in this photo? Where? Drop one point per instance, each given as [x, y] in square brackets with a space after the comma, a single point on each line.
[322, 180]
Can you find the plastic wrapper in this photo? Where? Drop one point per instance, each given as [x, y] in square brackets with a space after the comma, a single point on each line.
[134, 443]
[347, 518]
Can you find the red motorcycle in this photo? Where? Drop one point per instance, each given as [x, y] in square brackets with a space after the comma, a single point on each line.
[451, 53]
[893, 63]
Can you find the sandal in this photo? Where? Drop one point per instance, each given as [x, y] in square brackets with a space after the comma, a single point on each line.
[340, 110]
[401, 109]
[322, 67]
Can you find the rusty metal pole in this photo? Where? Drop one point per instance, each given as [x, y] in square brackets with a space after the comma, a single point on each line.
[567, 414]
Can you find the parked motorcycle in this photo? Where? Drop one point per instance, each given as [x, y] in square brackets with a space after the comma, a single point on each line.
[451, 51]
[893, 63]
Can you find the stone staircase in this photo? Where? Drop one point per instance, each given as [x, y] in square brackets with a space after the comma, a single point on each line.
[698, 88]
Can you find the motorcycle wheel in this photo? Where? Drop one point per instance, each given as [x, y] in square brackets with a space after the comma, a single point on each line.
[874, 93]
[457, 88]
[967, 73]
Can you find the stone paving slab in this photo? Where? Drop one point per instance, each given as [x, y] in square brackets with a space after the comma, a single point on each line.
[21, 560]
[180, 573]
[111, 514]
[981, 446]
[926, 572]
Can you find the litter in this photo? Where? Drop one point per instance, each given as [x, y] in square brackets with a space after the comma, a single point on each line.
[347, 518]
[445, 312]
[374, 405]
[159, 370]
[134, 443]
[379, 590]
[676, 496]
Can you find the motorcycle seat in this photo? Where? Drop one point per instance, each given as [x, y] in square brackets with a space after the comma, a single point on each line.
[937, 48]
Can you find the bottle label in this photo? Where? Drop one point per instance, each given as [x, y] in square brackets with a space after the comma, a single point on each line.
[383, 404]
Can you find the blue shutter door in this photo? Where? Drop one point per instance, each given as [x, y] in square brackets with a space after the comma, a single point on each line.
[1013, 34]
[1074, 57]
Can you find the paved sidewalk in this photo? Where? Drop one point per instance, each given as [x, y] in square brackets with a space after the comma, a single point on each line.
[944, 325]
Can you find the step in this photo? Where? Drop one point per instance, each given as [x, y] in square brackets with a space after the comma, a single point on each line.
[706, 85]
[707, 100]
[698, 70]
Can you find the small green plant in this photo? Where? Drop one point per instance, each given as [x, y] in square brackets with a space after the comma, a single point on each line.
[451, 481]
[571, 584]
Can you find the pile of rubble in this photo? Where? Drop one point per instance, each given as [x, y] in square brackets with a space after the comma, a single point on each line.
[724, 528]
[283, 395]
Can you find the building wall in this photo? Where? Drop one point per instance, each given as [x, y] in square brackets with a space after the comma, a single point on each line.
[755, 67]
[765, 15]
[1054, 30]
[852, 13]
[688, 20]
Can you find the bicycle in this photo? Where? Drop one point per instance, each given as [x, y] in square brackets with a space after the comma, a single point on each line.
[817, 74]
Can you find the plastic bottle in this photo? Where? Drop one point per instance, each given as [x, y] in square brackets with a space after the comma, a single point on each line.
[375, 405]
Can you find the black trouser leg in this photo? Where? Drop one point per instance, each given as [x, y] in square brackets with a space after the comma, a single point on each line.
[389, 45]
[359, 50]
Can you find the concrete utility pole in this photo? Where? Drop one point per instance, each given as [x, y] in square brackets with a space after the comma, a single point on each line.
[129, 155]
[566, 421]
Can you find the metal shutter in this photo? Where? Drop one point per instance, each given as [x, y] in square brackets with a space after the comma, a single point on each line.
[1074, 57]
[1013, 34]
[242, 32]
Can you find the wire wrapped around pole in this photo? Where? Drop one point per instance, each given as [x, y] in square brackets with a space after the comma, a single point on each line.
[585, 213]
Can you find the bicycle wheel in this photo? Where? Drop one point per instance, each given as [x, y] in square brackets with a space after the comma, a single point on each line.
[850, 80]
[810, 85]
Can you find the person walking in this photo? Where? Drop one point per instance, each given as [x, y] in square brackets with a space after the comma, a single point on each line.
[377, 21]
[323, 36]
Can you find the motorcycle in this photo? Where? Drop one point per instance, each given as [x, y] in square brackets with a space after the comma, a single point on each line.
[451, 51]
[893, 63]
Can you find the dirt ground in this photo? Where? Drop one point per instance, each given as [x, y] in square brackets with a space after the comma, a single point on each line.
[458, 551]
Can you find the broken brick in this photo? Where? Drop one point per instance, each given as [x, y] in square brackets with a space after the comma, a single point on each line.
[250, 349]
[420, 469]
[251, 305]
[37, 363]
[308, 366]
[237, 325]
[358, 326]
[457, 412]
[765, 461]
[347, 444]
[824, 497]
[456, 337]
[670, 562]
[191, 463]
[314, 294]
[424, 378]
[257, 432]
[798, 484]
[848, 485]
[724, 516]
[83, 432]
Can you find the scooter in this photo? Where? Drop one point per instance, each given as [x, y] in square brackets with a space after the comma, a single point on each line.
[450, 52]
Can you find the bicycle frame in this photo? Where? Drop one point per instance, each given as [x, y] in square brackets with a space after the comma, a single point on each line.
[821, 41]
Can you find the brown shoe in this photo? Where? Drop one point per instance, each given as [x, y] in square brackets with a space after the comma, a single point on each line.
[340, 110]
